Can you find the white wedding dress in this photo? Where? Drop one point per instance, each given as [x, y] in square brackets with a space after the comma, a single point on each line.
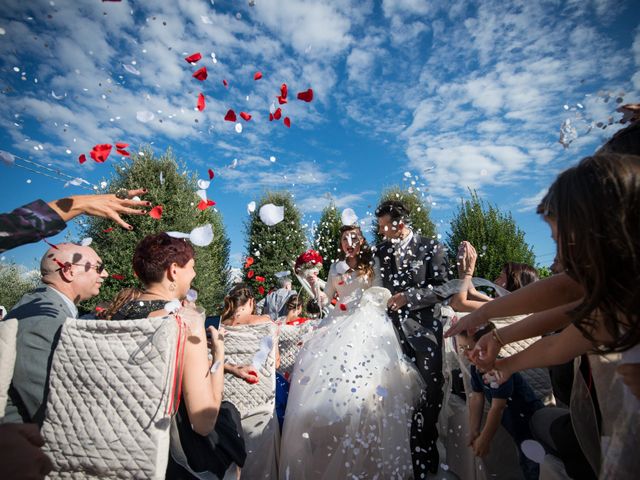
[352, 394]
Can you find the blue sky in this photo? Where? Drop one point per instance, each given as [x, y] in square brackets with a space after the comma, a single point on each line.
[458, 94]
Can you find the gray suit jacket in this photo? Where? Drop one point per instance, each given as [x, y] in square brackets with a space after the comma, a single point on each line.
[40, 315]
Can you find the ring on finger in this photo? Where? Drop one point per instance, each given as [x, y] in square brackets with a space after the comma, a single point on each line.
[122, 193]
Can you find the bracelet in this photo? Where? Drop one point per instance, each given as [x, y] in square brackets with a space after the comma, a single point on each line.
[496, 336]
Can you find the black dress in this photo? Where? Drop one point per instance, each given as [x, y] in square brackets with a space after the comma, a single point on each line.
[215, 452]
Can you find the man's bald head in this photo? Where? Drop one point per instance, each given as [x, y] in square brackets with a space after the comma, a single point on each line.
[73, 270]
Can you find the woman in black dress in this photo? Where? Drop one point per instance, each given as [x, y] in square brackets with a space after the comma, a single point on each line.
[206, 433]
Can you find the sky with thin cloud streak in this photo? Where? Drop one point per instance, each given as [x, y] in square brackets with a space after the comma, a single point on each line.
[463, 95]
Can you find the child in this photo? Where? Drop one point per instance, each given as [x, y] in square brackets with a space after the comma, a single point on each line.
[512, 405]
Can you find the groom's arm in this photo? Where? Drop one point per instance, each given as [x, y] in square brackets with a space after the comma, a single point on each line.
[435, 274]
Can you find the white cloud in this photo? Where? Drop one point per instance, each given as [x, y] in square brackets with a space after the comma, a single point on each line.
[529, 204]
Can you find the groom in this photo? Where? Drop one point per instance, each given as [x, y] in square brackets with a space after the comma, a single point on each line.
[412, 267]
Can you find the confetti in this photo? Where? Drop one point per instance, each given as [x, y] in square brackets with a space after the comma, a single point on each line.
[124, 153]
[250, 274]
[121, 145]
[251, 207]
[203, 205]
[257, 76]
[57, 97]
[343, 307]
[201, 102]
[272, 159]
[107, 230]
[306, 96]
[230, 116]
[287, 122]
[381, 391]
[200, 74]
[277, 114]
[261, 290]
[156, 212]
[283, 91]
[248, 262]
[192, 295]
[349, 217]
[245, 116]
[203, 185]
[211, 175]
[75, 182]
[199, 236]
[271, 214]
[225, 83]
[173, 306]
[82, 158]
[144, 116]
[282, 100]
[117, 276]
[238, 127]
[85, 242]
[568, 133]
[193, 58]
[100, 152]
[260, 279]
[131, 69]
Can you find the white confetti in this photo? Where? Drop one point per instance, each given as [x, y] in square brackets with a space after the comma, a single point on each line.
[103, 185]
[161, 178]
[57, 97]
[206, 20]
[203, 184]
[349, 217]
[144, 116]
[2, 31]
[266, 345]
[173, 306]
[85, 242]
[568, 133]
[238, 127]
[305, 435]
[215, 366]
[407, 174]
[76, 182]
[271, 214]
[272, 159]
[192, 295]
[131, 69]
[251, 207]
[202, 194]
[199, 236]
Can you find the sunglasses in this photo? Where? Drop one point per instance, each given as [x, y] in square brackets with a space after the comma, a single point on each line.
[99, 267]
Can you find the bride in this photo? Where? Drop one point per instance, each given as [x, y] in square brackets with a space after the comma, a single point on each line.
[352, 391]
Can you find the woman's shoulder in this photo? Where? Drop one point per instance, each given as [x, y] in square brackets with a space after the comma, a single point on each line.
[138, 309]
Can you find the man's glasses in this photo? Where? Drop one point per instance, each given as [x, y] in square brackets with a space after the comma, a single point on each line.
[99, 267]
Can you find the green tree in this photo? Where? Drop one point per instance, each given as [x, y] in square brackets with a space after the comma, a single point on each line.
[172, 186]
[544, 272]
[14, 283]
[419, 211]
[273, 248]
[326, 239]
[493, 233]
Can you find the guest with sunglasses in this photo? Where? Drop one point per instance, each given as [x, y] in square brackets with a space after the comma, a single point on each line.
[69, 274]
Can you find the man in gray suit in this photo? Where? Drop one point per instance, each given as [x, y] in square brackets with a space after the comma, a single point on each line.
[70, 274]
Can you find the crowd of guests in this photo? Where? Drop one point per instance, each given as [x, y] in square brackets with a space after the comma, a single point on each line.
[587, 313]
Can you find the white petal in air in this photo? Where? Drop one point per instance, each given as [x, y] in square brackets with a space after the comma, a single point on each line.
[349, 217]
[131, 69]
[202, 236]
[144, 116]
[271, 214]
[251, 207]
[203, 184]
[85, 242]
[202, 194]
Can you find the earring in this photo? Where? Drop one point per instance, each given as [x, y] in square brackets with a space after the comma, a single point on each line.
[172, 287]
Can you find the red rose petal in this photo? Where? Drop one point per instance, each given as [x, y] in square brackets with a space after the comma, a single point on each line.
[283, 90]
[100, 152]
[250, 274]
[200, 74]
[261, 290]
[282, 100]
[257, 76]
[107, 230]
[121, 145]
[82, 158]
[260, 279]
[225, 83]
[201, 102]
[248, 262]
[117, 276]
[306, 96]
[156, 212]
[287, 122]
[277, 114]
[343, 307]
[211, 175]
[50, 244]
[271, 117]
[230, 116]
[193, 58]
[245, 116]
[124, 153]
[204, 205]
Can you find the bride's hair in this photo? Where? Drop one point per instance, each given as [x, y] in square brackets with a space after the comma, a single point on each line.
[237, 296]
[364, 259]
[598, 247]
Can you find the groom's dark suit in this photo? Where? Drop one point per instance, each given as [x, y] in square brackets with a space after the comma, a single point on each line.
[416, 270]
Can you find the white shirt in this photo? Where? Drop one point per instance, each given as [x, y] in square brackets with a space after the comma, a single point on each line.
[72, 307]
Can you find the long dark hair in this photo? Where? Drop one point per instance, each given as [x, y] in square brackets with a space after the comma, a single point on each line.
[237, 296]
[518, 275]
[364, 259]
[596, 205]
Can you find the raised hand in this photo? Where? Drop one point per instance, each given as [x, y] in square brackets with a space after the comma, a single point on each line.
[485, 352]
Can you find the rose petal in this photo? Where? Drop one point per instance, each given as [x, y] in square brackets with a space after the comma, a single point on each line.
[203, 205]
[230, 116]
[271, 214]
[201, 102]
[277, 114]
[156, 212]
[82, 158]
[251, 207]
[211, 175]
[260, 279]
[203, 184]
[225, 83]
[124, 153]
[271, 117]
[282, 100]
[245, 116]
[100, 152]
[117, 276]
[257, 76]
[200, 74]
[248, 262]
[343, 307]
[283, 90]
[306, 96]
[250, 274]
[261, 290]
[107, 230]
[121, 145]
[193, 58]
[287, 122]
[202, 236]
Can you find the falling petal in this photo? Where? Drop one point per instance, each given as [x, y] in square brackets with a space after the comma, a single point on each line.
[282, 100]
[144, 116]
[251, 207]
[100, 152]
[156, 212]
[287, 122]
[200, 74]
[203, 184]
[277, 114]
[306, 96]
[201, 102]
[82, 158]
[225, 83]
[85, 242]
[193, 58]
[283, 90]
[117, 276]
[248, 262]
[257, 76]
[245, 116]
[271, 214]
[131, 69]
[211, 175]
[238, 127]
[230, 116]
[349, 217]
